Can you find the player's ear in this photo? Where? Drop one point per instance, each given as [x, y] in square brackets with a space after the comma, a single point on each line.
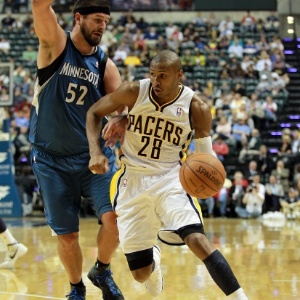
[77, 18]
[180, 73]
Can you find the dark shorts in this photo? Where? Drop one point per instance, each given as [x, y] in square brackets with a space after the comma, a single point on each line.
[63, 181]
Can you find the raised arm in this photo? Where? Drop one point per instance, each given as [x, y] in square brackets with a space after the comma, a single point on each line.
[52, 38]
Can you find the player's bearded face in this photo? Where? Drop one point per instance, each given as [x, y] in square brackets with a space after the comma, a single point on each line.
[92, 38]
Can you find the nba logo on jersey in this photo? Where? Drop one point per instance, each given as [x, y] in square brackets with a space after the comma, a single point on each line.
[179, 112]
[97, 65]
[125, 183]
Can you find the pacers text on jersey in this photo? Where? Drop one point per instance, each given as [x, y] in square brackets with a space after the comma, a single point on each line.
[156, 127]
[81, 73]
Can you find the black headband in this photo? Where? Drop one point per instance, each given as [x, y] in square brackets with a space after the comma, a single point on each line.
[92, 10]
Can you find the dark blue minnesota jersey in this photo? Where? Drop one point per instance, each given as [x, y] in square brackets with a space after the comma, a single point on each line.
[64, 91]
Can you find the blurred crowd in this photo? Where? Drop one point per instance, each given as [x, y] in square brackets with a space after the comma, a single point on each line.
[237, 67]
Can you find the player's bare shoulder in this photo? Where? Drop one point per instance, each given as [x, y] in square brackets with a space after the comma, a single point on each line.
[199, 107]
[129, 92]
[201, 119]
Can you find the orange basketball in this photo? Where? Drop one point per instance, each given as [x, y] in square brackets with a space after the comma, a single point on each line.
[202, 175]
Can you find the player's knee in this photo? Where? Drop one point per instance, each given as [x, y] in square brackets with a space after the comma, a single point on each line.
[140, 264]
[141, 275]
[199, 244]
[108, 220]
[67, 241]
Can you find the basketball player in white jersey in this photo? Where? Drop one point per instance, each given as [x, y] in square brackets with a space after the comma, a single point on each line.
[146, 192]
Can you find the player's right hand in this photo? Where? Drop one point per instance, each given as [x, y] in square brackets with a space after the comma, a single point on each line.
[99, 164]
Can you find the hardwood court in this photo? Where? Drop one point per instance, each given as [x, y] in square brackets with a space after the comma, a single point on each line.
[264, 255]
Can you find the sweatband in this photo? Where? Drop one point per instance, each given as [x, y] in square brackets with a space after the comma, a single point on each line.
[204, 145]
[92, 9]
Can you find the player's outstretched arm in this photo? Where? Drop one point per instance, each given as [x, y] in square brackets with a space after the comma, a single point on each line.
[115, 129]
[52, 38]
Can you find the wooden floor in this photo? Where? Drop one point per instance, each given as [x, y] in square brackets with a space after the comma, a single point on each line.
[265, 256]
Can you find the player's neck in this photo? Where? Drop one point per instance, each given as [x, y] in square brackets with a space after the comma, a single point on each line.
[81, 45]
[167, 99]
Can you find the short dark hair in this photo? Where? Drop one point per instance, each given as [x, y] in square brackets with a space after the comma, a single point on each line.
[86, 7]
[168, 57]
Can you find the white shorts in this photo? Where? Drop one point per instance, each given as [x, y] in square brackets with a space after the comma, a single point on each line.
[151, 206]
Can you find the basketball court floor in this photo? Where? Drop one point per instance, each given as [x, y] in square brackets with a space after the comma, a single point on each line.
[264, 254]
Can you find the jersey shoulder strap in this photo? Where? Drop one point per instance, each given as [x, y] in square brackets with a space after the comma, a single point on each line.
[102, 65]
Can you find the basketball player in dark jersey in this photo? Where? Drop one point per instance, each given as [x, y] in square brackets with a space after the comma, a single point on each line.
[73, 73]
[146, 192]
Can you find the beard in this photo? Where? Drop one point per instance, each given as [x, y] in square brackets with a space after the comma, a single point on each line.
[92, 42]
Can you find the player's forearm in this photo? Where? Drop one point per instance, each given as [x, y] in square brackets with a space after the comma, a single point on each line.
[123, 110]
[93, 129]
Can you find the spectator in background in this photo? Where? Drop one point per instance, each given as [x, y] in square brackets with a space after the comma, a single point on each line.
[169, 29]
[265, 162]
[240, 130]
[225, 24]
[264, 86]
[188, 60]
[236, 50]
[220, 147]
[253, 202]
[251, 171]
[175, 39]
[249, 47]
[30, 54]
[251, 146]
[200, 58]
[282, 174]
[199, 20]
[277, 84]
[264, 62]
[248, 23]
[270, 108]
[8, 20]
[272, 20]
[236, 194]
[295, 145]
[262, 44]
[286, 145]
[274, 192]
[223, 128]
[212, 60]
[256, 112]
[291, 204]
[236, 103]
[246, 62]
[120, 53]
[142, 24]
[276, 44]
[222, 196]
[4, 46]
[151, 36]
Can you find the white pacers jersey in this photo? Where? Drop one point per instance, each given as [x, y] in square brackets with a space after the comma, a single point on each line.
[157, 136]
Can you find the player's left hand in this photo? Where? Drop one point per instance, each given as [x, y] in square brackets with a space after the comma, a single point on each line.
[114, 130]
